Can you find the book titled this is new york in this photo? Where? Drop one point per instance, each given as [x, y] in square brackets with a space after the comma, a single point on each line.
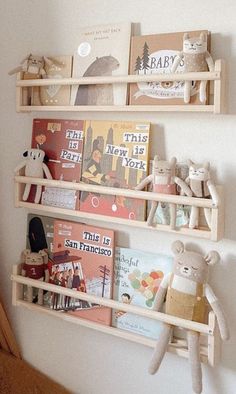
[115, 155]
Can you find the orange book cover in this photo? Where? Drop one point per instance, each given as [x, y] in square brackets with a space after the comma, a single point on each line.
[62, 142]
[154, 54]
[115, 155]
[83, 261]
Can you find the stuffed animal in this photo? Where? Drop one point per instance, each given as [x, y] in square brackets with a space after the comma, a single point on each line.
[186, 291]
[164, 180]
[33, 67]
[34, 266]
[196, 58]
[202, 186]
[34, 167]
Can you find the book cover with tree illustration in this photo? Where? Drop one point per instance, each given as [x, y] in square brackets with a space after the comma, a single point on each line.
[83, 261]
[154, 54]
[115, 155]
[137, 277]
[101, 51]
[62, 142]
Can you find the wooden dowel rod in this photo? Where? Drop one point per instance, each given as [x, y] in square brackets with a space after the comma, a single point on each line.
[141, 195]
[203, 328]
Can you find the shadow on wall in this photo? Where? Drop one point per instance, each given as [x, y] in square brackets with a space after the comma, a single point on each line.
[222, 48]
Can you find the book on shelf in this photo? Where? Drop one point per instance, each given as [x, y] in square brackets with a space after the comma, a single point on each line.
[56, 94]
[101, 51]
[83, 261]
[154, 54]
[115, 155]
[137, 277]
[62, 142]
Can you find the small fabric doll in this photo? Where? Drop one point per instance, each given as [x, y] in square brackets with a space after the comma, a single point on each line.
[163, 180]
[196, 59]
[186, 291]
[34, 266]
[202, 186]
[34, 167]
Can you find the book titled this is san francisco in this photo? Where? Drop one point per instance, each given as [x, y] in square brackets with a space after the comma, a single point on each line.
[115, 155]
[83, 261]
[137, 277]
[62, 142]
[101, 51]
[155, 54]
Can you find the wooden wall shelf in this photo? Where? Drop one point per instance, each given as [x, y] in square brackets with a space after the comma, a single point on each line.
[210, 350]
[214, 234]
[217, 77]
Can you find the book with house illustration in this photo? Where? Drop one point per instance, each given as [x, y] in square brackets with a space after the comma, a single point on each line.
[137, 277]
[56, 94]
[101, 51]
[154, 54]
[83, 261]
[115, 155]
[62, 142]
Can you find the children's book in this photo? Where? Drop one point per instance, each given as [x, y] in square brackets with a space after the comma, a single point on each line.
[137, 277]
[62, 142]
[56, 94]
[83, 261]
[155, 54]
[115, 155]
[101, 51]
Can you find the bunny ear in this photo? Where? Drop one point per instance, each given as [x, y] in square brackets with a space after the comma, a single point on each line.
[173, 162]
[177, 247]
[190, 163]
[156, 159]
[212, 257]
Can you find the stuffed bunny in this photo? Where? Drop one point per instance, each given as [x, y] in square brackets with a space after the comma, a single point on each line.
[186, 291]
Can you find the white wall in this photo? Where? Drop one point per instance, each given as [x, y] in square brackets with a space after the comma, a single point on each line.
[83, 360]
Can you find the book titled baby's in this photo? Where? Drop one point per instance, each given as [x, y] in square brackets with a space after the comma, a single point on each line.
[62, 142]
[115, 155]
[155, 54]
[83, 261]
[137, 277]
[102, 51]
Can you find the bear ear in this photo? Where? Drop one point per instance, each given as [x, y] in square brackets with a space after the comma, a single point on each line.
[203, 37]
[42, 253]
[212, 257]
[186, 36]
[177, 247]
[25, 253]
[25, 154]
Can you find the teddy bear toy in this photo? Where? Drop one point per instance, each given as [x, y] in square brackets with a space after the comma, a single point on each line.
[202, 186]
[34, 67]
[34, 266]
[196, 59]
[164, 180]
[186, 291]
[34, 167]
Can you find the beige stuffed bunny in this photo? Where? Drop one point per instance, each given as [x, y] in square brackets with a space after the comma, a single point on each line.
[186, 291]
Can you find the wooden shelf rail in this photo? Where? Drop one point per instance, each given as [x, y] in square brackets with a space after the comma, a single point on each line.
[214, 234]
[177, 346]
[217, 76]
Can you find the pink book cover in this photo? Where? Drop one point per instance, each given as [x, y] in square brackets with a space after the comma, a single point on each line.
[88, 258]
[62, 142]
[115, 155]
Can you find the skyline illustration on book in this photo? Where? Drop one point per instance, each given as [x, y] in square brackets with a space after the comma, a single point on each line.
[137, 277]
[115, 155]
[62, 142]
[102, 51]
[154, 54]
[83, 261]
[56, 94]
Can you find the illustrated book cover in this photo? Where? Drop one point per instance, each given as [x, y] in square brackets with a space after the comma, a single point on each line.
[56, 94]
[154, 54]
[115, 155]
[137, 277]
[83, 261]
[101, 51]
[62, 142]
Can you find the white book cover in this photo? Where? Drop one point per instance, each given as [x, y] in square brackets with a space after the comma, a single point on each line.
[137, 277]
[101, 51]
